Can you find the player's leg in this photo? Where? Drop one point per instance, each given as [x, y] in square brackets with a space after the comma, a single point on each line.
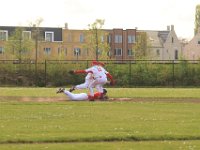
[76, 97]
[83, 85]
[99, 86]
[91, 85]
[60, 90]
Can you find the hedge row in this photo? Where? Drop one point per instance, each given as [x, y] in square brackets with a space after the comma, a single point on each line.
[126, 74]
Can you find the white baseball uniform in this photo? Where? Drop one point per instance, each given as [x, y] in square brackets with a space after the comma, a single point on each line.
[100, 78]
[76, 97]
[88, 80]
[82, 96]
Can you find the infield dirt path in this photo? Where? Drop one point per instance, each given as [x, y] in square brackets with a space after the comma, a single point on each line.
[64, 99]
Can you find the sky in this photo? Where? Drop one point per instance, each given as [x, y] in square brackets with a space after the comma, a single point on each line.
[125, 14]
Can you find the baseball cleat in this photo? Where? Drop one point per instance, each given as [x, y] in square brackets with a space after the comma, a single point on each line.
[72, 89]
[60, 90]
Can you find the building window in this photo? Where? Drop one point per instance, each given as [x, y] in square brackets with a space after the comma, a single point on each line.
[118, 52]
[3, 35]
[99, 51]
[118, 38]
[26, 35]
[158, 52]
[198, 41]
[109, 38]
[24, 51]
[62, 51]
[176, 55]
[1, 51]
[65, 51]
[49, 36]
[131, 39]
[130, 52]
[102, 38]
[69, 37]
[77, 51]
[59, 50]
[47, 51]
[81, 38]
[172, 40]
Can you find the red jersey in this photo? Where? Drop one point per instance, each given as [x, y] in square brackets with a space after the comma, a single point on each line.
[97, 95]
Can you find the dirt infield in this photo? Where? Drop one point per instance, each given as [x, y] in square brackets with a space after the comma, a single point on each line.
[64, 99]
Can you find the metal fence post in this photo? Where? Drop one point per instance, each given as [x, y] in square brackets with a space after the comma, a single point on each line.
[129, 73]
[173, 78]
[45, 72]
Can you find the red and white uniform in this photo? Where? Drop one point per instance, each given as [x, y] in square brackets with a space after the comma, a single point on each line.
[99, 75]
[88, 80]
[82, 96]
[100, 78]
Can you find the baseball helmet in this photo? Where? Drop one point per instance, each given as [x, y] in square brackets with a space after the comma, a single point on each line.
[104, 91]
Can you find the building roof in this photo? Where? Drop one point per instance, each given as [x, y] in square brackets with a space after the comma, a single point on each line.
[57, 31]
[156, 38]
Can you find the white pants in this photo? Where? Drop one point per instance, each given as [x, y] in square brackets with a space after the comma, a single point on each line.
[88, 81]
[98, 84]
[76, 97]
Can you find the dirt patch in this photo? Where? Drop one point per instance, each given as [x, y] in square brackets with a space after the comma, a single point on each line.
[62, 99]
[42, 99]
[170, 100]
[32, 99]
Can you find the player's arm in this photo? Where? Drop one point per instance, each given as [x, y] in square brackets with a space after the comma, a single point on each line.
[112, 82]
[79, 71]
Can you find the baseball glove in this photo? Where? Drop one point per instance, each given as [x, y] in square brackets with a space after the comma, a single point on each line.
[71, 72]
[112, 82]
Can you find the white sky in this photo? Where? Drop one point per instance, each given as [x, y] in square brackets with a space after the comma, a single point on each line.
[126, 14]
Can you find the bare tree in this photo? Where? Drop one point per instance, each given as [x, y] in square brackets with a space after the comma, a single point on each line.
[19, 44]
[36, 35]
[197, 19]
[141, 46]
[97, 40]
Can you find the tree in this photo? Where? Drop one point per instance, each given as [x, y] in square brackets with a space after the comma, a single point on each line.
[141, 46]
[36, 35]
[197, 19]
[19, 44]
[96, 43]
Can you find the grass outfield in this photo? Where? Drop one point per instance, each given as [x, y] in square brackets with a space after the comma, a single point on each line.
[112, 92]
[100, 125]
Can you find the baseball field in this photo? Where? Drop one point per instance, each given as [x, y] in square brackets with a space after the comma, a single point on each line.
[132, 118]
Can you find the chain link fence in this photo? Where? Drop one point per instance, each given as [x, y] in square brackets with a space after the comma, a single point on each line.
[127, 73]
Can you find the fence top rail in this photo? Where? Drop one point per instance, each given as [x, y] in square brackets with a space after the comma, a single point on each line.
[16, 61]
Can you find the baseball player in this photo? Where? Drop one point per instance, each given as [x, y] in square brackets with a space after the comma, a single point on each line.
[99, 77]
[88, 80]
[83, 96]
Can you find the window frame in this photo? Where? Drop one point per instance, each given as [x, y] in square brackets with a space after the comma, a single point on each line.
[176, 54]
[118, 38]
[157, 52]
[77, 51]
[131, 39]
[29, 36]
[1, 50]
[6, 35]
[117, 51]
[81, 38]
[46, 36]
[130, 52]
[47, 50]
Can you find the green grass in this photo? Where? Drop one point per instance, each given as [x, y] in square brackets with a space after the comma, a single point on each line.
[100, 125]
[112, 92]
[122, 145]
[29, 92]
